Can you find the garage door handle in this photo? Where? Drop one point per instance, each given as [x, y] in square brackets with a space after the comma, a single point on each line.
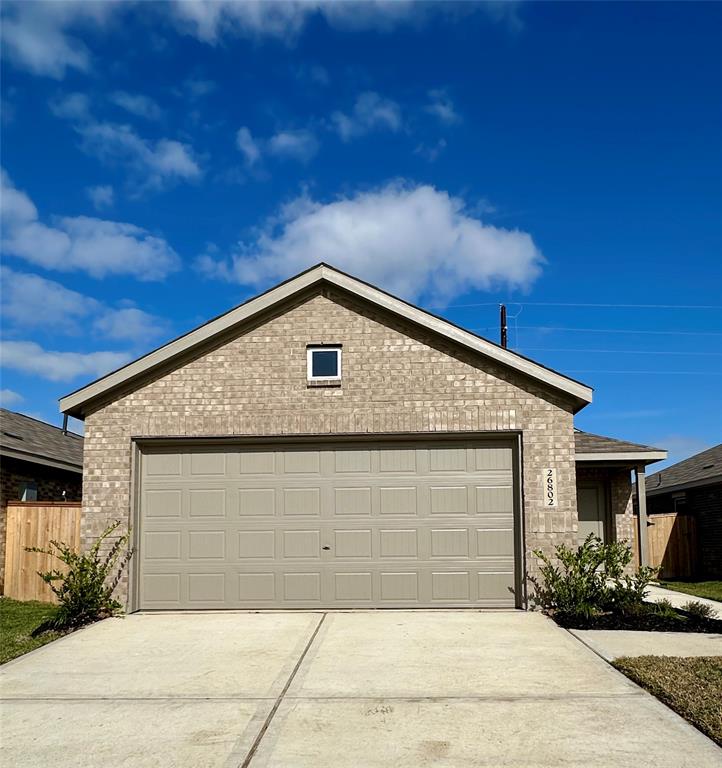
[326, 548]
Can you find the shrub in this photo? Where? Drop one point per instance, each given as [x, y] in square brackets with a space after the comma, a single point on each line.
[665, 608]
[589, 580]
[85, 589]
[699, 611]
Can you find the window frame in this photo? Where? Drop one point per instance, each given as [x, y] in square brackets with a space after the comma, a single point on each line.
[310, 349]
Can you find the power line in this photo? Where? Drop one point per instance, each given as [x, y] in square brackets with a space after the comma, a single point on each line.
[647, 373]
[618, 351]
[574, 304]
[614, 330]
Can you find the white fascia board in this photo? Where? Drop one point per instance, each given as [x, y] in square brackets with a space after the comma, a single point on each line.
[642, 456]
[75, 400]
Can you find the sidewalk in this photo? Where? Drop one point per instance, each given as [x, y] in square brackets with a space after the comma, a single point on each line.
[655, 594]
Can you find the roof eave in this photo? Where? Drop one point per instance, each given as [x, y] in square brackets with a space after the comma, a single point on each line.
[639, 457]
[75, 404]
[34, 458]
[699, 483]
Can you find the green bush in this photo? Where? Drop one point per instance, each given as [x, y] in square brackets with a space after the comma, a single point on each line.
[666, 609]
[699, 611]
[85, 589]
[584, 582]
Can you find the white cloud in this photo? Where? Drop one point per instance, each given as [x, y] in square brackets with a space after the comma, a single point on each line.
[153, 163]
[102, 196]
[196, 88]
[299, 145]
[442, 107]
[82, 243]
[248, 146]
[35, 35]
[371, 112]
[129, 324]
[44, 37]
[414, 241]
[431, 152]
[29, 357]
[137, 104]
[31, 301]
[8, 397]
[212, 20]
[71, 106]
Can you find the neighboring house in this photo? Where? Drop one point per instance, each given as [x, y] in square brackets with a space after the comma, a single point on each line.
[38, 462]
[694, 487]
[326, 444]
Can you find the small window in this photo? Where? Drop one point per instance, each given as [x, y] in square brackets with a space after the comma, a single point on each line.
[324, 363]
[28, 491]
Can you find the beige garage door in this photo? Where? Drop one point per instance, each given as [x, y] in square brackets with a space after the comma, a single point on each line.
[335, 526]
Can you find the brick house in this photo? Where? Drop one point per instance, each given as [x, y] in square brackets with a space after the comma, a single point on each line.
[326, 444]
[38, 462]
[694, 487]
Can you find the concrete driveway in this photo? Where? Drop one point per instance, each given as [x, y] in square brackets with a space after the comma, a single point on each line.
[346, 690]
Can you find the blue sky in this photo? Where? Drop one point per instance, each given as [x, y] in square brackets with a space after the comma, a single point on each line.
[164, 161]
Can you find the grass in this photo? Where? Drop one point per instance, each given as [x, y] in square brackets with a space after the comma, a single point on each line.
[712, 590]
[17, 621]
[691, 686]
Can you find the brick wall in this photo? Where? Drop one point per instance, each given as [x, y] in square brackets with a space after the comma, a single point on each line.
[51, 483]
[396, 379]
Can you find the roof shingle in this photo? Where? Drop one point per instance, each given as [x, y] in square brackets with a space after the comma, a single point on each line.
[701, 467]
[586, 442]
[22, 434]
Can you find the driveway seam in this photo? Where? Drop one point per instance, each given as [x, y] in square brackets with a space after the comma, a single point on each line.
[257, 741]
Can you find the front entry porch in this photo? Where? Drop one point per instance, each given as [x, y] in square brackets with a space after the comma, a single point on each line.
[605, 490]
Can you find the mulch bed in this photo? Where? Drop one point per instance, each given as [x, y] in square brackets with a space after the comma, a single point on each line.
[650, 621]
[691, 686]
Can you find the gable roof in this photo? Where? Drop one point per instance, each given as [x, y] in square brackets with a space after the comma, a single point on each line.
[25, 438]
[78, 402]
[589, 447]
[701, 469]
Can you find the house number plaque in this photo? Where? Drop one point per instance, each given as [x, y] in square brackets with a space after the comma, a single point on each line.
[550, 487]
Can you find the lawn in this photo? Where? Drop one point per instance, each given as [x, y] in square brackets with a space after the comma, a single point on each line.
[712, 590]
[691, 686]
[17, 621]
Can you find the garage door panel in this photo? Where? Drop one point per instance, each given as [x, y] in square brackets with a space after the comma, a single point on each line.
[257, 502]
[159, 503]
[208, 464]
[407, 525]
[301, 544]
[352, 501]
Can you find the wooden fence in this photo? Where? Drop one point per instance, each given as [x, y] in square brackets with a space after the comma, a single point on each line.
[35, 524]
[672, 545]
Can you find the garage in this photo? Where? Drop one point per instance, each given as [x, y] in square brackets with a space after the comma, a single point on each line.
[328, 445]
[402, 523]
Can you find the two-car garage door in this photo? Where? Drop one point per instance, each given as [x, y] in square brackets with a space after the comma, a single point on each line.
[407, 524]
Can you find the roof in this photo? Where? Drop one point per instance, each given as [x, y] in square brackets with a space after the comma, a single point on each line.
[589, 447]
[28, 439]
[701, 469]
[81, 401]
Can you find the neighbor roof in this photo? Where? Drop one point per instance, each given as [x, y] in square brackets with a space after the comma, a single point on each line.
[589, 447]
[25, 438]
[701, 469]
[78, 402]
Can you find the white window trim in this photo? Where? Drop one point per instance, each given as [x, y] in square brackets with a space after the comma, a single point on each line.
[322, 348]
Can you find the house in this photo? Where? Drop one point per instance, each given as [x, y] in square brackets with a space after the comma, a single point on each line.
[326, 444]
[38, 462]
[694, 487]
